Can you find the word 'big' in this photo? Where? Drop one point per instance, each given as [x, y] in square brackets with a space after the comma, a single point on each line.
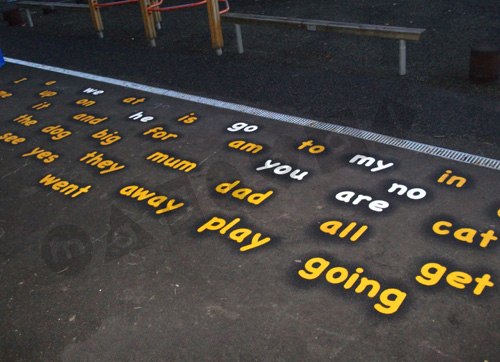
[239, 235]
[390, 299]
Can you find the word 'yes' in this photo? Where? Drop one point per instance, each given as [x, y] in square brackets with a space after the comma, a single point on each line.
[389, 299]
[252, 197]
[41, 154]
[355, 199]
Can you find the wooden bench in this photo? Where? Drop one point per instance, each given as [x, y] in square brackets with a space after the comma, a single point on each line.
[28, 5]
[380, 31]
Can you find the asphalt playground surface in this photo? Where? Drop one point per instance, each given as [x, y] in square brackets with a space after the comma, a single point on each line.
[270, 268]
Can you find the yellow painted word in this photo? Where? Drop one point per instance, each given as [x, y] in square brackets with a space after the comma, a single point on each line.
[133, 100]
[26, 120]
[107, 138]
[253, 198]
[389, 299]
[245, 146]
[50, 82]
[87, 118]
[40, 106]
[333, 226]
[94, 92]
[10, 137]
[57, 132]
[238, 235]
[159, 133]
[107, 166]
[464, 234]
[172, 162]
[20, 80]
[367, 161]
[451, 179]
[188, 118]
[314, 149]
[85, 102]
[374, 205]
[431, 274]
[47, 93]
[64, 187]
[5, 94]
[153, 199]
[41, 154]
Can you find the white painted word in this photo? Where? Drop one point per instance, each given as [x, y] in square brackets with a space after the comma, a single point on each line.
[375, 205]
[414, 194]
[280, 169]
[368, 161]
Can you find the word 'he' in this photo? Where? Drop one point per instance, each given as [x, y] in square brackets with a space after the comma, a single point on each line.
[159, 133]
[139, 116]
[451, 179]
[239, 235]
[254, 198]
[26, 120]
[367, 161]
[242, 126]
[464, 234]
[280, 169]
[154, 200]
[171, 162]
[10, 137]
[106, 137]
[96, 159]
[94, 92]
[89, 119]
[333, 226]
[355, 199]
[64, 187]
[390, 299]
[245, 146]
[432, 273]
[41, 154]
[57, 132]
[311, 147]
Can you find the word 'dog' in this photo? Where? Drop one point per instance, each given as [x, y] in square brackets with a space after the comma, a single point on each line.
[390, 300]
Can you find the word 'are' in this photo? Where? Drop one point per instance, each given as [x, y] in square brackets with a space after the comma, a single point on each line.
[41, 154]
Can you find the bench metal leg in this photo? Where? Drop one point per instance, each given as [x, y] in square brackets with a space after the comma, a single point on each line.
[239, 38]
[402, 57]
[28, 17]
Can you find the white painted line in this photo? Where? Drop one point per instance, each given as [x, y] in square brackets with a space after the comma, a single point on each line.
[305, 122]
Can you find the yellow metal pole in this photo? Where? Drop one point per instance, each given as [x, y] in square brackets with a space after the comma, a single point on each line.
[148, 20]
[95, 15]
[215, 26]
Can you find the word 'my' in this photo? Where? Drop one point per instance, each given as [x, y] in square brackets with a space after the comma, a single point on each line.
[432, 273]
[239, 235]
[333, 226]
[389, 299]
[283, 170]
[367, 161]
[311, 147]
[26, 120]
[451, 179]
[64, 187]
[464, 234]
[172, 162]
[96, 159]
[154, 200]
[107, 138]
[254, 198]
[41, 154]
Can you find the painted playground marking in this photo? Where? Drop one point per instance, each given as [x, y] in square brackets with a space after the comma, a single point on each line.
[343, 130]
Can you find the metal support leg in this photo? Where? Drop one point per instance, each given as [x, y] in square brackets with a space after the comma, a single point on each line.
[28, 17]
[239, 39]
[402, 57]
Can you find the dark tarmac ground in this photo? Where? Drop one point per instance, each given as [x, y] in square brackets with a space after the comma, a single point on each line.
[304, 273]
